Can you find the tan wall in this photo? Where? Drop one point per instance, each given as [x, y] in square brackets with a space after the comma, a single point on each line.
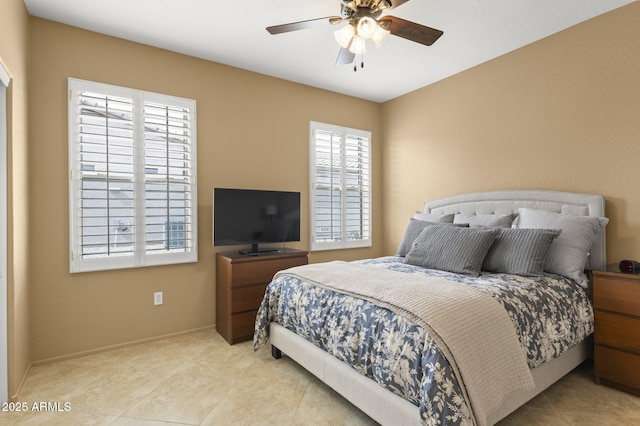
[252, 133]
[14, 39]
[560, 114]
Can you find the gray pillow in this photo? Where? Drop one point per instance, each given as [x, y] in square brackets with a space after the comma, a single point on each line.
[414, 228]
[568, 253]
[495, 220]
[452, 248]
[520, 251]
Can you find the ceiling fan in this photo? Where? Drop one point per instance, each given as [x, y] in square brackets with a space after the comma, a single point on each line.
[364, 23]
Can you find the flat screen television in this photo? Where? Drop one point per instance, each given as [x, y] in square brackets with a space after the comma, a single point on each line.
[249, 216]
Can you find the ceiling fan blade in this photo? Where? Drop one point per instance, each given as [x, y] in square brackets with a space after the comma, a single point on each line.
[302, 25]
[412, 31]
[345, 56]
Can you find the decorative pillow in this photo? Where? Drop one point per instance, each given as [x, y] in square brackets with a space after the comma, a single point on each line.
[452, 248]
[414, 228]
[432, 217]
[495, 220]
[520, 251]
[568, 253]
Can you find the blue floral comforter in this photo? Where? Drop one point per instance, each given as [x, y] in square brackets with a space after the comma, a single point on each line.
[550, 316]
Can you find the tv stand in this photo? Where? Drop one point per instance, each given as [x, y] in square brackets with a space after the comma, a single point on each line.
[241, 282]
[255, 251]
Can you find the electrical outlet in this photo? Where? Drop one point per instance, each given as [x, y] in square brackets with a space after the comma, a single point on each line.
[157, 298]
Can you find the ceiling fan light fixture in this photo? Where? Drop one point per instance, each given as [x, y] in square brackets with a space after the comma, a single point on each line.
[344, 35]
[365, 21]
[358, 45]
[380, 35]
[366, 27]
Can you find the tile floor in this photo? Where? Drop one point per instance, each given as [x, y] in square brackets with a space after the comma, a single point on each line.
[198, 379]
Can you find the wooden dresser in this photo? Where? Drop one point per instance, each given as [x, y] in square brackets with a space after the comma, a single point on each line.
[240, 284]
[616, 301]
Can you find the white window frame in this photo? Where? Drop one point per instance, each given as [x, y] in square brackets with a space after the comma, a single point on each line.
[141, 254]
[343, 242]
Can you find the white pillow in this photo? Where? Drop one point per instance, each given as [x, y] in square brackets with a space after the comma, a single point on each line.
[568, 253]
[433, 217]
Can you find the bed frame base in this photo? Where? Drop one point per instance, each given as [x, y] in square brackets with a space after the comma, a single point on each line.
[378, 403]
[388, 408]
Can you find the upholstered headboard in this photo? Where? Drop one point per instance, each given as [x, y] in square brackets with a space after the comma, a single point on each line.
[503, 202]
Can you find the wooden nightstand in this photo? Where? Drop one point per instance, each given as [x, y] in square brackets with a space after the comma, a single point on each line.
[616, 302]
[240, 285]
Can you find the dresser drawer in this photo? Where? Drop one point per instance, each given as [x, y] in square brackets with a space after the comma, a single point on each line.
[247, 298]
[617, 295]
[243, 326]
[618, 331]
[617, 366]
[249, 273]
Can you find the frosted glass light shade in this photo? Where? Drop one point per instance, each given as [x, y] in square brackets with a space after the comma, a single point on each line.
[344, 35]
[366, 27]
[380, 35]
[358, 46]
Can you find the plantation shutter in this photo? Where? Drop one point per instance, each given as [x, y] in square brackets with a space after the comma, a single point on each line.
[167, 178]
[358, 191]
[340, 187]
[328, 187]
[132, 178]
[106, 178]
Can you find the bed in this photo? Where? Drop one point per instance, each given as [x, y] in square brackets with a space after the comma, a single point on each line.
[449, 358]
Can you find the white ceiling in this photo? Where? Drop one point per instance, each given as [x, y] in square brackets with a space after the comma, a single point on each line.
[233, 32]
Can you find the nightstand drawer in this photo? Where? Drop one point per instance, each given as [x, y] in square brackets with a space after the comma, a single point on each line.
[247, 298]
[250, 273]
[617, 295]
[617, 331]
[617, 366]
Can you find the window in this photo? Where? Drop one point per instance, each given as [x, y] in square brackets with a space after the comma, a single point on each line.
[132, 191]
[340, 177]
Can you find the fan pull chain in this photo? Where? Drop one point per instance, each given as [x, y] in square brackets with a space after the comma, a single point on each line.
[355, 66]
